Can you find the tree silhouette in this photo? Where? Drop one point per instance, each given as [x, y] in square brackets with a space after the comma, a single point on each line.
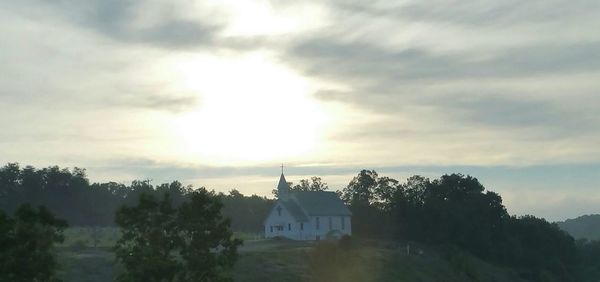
[162, 243]
[27, 243]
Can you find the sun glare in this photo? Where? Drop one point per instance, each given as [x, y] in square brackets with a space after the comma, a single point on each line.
[248, 18]
[251, 110]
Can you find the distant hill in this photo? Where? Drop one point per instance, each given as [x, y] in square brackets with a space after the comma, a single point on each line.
[587, 226]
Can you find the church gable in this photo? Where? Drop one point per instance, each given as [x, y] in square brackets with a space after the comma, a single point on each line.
[279, 214]
[287, 210]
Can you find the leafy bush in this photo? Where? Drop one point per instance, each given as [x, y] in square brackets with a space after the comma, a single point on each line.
[27, 243]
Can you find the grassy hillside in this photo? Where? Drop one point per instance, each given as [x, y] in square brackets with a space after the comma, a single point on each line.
[282, 260]
[587, 226]
[368, 261]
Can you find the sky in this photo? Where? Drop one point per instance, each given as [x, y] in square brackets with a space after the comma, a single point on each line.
[220, 93]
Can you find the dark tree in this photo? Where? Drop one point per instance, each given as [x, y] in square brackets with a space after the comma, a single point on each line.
[589, 251]
[162, 243]
[384, 191]
[313, 184]
[9, 179]
[361, 189]
[208, 247]
[69, 194]
[27, 244]
[369, 198]
[247, 213]
[149, 241]
[456, 210]
[406, 207]
[539, 249]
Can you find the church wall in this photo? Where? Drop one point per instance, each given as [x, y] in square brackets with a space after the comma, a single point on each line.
[290, 228]
[285, 225]
[324, 227]
[282, 225]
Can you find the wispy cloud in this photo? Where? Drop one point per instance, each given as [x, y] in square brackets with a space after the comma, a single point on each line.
[488, 87]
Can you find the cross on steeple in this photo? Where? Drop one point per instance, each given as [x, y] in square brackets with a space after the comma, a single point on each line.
[281, 168]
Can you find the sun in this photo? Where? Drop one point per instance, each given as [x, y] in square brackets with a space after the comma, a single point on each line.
[251, 110]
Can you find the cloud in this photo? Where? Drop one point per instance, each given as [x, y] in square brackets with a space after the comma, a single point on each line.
[169, 103]
[377, 68]
[498, 112]
[505, 81]
[476, 12]
[396, 52]
[156, 23]
[409, 86]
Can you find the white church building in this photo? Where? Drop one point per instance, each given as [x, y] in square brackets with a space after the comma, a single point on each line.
[302, 215]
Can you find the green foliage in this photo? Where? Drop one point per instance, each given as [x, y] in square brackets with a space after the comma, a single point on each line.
[452, 210]
[368, 196]
[69, 194]
[209, 249]
[589, 268]
[314, 184]
[247, 213]
[361, 190]
[162, 243]
[457, 210]
[540, 249]
[149, 241]
[27, 243]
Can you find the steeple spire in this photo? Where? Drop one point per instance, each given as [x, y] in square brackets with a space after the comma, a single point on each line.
[282, 188]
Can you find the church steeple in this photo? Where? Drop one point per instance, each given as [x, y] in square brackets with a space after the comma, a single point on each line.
[282, 188]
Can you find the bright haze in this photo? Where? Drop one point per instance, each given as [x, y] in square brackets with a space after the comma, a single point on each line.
[220, 93]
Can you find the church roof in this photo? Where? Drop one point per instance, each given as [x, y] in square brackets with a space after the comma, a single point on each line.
[320, 203]
[295, 210]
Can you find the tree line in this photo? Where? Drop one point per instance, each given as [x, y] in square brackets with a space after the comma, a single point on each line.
[167, 233]
[453, 210]
[69, 195]
[457, 210]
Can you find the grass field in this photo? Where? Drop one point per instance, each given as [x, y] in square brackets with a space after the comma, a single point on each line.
[283, 260]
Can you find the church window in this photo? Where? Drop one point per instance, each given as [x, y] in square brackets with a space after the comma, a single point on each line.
[279, 210]
[330, 224]
[289, 226]
[301, 226]
[317, 223]
[271, 229]
[343, 222]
